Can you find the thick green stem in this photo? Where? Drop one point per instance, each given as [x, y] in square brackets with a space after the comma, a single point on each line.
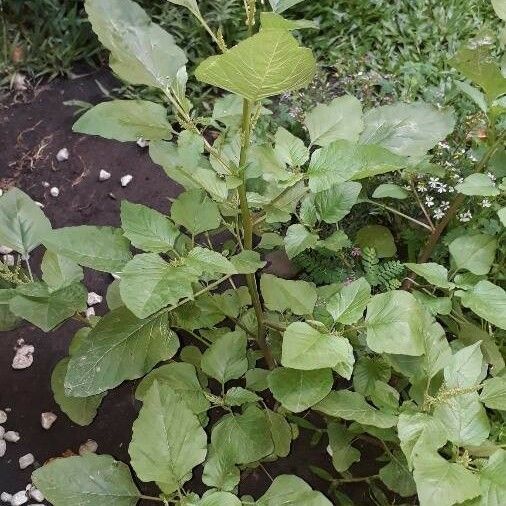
[247, 225]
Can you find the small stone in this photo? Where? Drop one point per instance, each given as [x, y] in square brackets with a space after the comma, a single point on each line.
[36, 494]
[3, 416]
[5, 497]
[45, 184]
[3, 447]
[26, 461]
[89, 446]
[5, 250]
[9, 260]
[19, 498]
[2, 432]
[90, 312]
[142, 143]
[54, 191]
[47, 419]
[104, 175]
[126, 180]
[11, 436]
[24, 357]
[63, 155]
[94, 298]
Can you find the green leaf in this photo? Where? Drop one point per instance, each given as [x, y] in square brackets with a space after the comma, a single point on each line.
[500, 10]
[435, 274]
[493, 394]
[282, 294]
[237, 396]
[220, 470]
[378, 237]
[298, 239]
[81, 410]
[390, 190]
[141, 52]
[209, 261]
[443, 483]
[475, 253]
[219, 498]
[502, 215]
[465, 368]
[492, 484]
[335, 203]
[298, 390]
[348, 305]
[120, 347]
[226, 358]
[340, 449]
[100, 248]
[281, 433]
[146, 228]
[273, 21]
[343, 161]
[397, 477]
[266, 64]
[189, 4]
[149, 283]
[167, 439]
[247, 262]
[335, 242]
[478, 184]
[395, 322]
[282, 5]
[474, 94]
[290, 149]
[306, 348]
[246, 438]
[125, 120]
[88, 481]
[488, 301]
[341, 119]
[182, 379]
[22, 223]
[407, 129]
[50, 309]
[368, 371]
[195, 211]
[353, 406]
[291, 490]
[59, 272]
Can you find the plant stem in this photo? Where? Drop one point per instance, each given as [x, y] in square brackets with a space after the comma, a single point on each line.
[150, 498]
[275, 326]
[247, 225]
[395, 211]
[357, 480]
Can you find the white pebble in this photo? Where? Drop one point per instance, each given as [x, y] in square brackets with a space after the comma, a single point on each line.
[45, 184]
[5, 497]
[9, 260]
[63, 155]
[54, 191]
[39, 204]
[2, 432]
[47, 419]
[26, 461]
[19, 498]
[36, 494]
[21, 361]
[5, 250]
[12, 436]
[3, 416]
[94, 298]
[89, 446]
[3, 447]
[104, 175]
[142, 143]
[90, 312]
[126, 180]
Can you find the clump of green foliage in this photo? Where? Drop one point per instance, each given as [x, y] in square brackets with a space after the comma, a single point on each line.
[418, 369]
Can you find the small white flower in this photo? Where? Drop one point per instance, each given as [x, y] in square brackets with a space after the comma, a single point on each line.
[421, 187]
[444, 145]
[491, 176]
[438, 213]
[429, 201]
[433, 182]
[451, 189]
[485, 203]
[442, 188]
[465, 217]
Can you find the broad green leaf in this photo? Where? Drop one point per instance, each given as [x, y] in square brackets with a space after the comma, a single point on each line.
[298, 239]
[390, 190]
[269, 63]
[441, 482]
[341, 119]
[120, 347]
[90, 480]
[265, 162]
[435, 305]
[59, 272]
[226, 358]
[465, 369]
[220, 498]
[336, 241]
[343, 161]
[282, 294]
[367, 372]
[8, 320]
[478, 184]
[500, 10]
[348, 305]
[488, 301]
[273, 21]
[475, 253]
[167, 439]
[23, 225]
[81, 410]
[146, 228]
[281, 433]
[340, 449]
[246, 438]
[493, 394]
[492, 483]
[125, 120]
[220, 470]
[256, 379]
[298, 390]
[290, 149]
[502, 215]
[141, 52]
[237, 396]
[306, 348]
[407, 129]
[282, 5]
[397, 476]
[149, 283]
[335, 203]
[474, 94]
[291, 490]
[395, 322]
[49, 310]
[247, 262]
[378, 237]
[195, 211]
[228, 110]
[435, 274]
[209, 261]
[353, 406]
[100, 248]
[182, 379]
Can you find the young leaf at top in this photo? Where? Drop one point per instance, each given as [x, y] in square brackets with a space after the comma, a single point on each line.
[87, 481]
[167, 439]
[141, 51]
[269, 63]
[282, 294]
[475, 252]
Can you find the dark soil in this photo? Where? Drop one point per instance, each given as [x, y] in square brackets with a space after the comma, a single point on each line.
[31, 133]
